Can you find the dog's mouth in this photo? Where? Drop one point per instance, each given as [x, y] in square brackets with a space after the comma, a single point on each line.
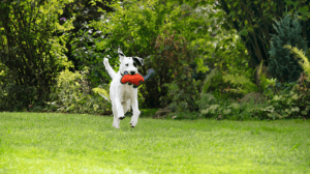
[129, 73]
[125, 73]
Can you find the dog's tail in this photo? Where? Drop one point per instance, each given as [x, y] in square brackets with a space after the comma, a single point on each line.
[108, 67]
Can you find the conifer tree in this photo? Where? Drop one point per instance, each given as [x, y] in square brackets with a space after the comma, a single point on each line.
[282, 63]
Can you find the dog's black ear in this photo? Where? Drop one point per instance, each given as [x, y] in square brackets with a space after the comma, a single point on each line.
[121, 55]
[138, 61]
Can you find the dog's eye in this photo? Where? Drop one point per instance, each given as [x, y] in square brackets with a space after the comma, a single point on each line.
[127, 64]
[134, 64]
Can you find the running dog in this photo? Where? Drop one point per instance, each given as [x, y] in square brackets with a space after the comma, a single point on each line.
[123, 96]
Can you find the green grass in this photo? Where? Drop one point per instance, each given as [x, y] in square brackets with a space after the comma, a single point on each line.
[148, 112]
[68, 143]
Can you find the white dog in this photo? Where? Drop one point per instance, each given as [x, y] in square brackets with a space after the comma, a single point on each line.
[123, 95]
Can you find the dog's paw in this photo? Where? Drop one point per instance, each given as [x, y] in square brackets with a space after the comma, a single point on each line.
[115, 126]
[105, 60]
[132, 125]
[121, 117]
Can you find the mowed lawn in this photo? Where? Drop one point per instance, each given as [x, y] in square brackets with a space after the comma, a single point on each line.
[70, 143]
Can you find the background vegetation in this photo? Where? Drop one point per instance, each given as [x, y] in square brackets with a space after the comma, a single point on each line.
[220, 59]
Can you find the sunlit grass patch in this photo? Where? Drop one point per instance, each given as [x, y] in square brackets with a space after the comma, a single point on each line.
[69, 143]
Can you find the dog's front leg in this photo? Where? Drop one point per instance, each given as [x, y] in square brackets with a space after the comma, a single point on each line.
[116, 120]
[119, 107]
[118, 113]
[135, 110]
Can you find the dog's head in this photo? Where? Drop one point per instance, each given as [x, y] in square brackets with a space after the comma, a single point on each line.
[129, 64]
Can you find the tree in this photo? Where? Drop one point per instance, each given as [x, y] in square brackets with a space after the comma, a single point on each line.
[253, 20]
[30, 56]
[82, 12]
[282, 64]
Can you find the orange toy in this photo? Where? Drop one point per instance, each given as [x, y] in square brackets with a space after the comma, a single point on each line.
[137, 79]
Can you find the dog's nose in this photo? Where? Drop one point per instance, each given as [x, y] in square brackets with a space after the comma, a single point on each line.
[132, 72]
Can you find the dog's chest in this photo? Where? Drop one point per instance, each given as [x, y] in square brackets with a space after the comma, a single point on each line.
[126, 92]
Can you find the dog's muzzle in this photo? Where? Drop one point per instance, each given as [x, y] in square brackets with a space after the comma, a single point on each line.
[125, 73]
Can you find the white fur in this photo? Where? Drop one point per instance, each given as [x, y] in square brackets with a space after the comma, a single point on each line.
[123, 95]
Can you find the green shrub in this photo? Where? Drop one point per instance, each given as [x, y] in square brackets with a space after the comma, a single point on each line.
[148, 112]
[291, 104]
[73, 95]
[289, 100]
[86, 55]
[303, 60]
[185, 115]
[242, 83]
[234, 111]
[31, 51]
[282, 63]
[185, 101]
[205, 100]
[286, 100]
[224, 110]
[225, 60]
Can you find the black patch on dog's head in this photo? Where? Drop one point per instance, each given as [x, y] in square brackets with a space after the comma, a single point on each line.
[139, 61]
[121, 54]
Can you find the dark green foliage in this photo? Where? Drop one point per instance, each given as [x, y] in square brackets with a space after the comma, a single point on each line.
[282, 63]
[83, 12]
[85, 54]
[72, 95]
[29, 59]
[148, 112]
[186, 116]
[285, 101]
[182, 89]
[227, 79]
[253, 20]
